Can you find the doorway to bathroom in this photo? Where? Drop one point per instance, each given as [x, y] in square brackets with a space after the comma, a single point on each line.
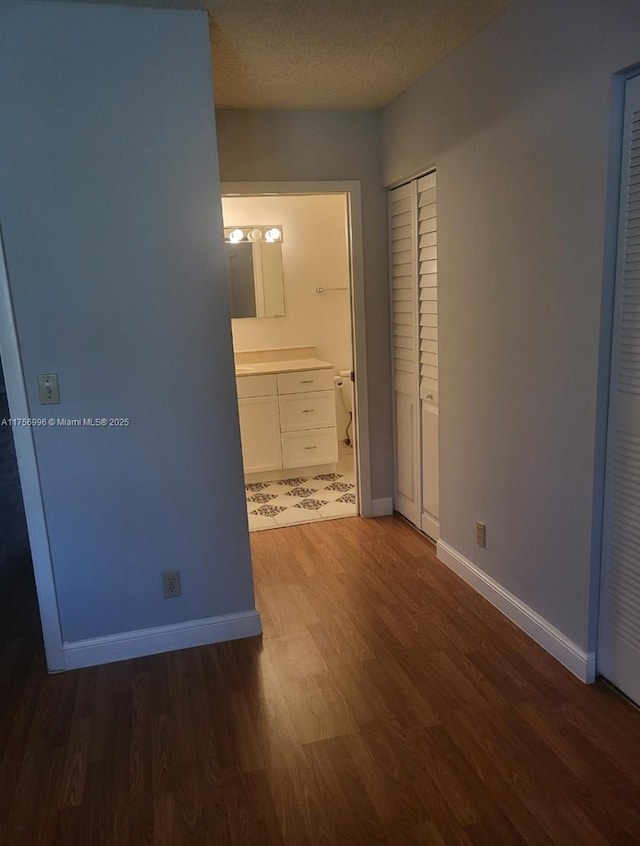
[294, 258]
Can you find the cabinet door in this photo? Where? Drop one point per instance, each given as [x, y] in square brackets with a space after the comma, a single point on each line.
[260, 434]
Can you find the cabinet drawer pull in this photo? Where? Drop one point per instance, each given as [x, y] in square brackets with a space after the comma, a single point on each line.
[306, 381]
[308, 410]
[313, 447]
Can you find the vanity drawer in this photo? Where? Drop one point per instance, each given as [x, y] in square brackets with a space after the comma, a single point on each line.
[304, 449]
[314, 410]
[256, 386]
[305, 380]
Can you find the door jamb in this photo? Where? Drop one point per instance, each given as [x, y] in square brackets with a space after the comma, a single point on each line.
[29, 476]
[603, 383]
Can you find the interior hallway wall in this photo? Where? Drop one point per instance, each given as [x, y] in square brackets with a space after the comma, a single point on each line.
[272, 146]
[109, 198]
[517, 122]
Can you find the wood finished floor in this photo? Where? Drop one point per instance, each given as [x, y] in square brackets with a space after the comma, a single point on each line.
[386, 703]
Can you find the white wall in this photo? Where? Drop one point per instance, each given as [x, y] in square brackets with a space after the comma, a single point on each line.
[517, 122]
[109, 200]
[276, 146]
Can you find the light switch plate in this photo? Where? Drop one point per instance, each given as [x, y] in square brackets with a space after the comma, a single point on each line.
[48, 389]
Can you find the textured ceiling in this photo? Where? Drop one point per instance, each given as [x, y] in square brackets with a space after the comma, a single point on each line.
[328, 54]
[333, 54]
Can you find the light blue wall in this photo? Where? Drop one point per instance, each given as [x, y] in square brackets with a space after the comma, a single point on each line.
[517, 123]
[109, 201]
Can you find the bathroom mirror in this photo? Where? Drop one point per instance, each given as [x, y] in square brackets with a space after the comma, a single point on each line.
[256, 284]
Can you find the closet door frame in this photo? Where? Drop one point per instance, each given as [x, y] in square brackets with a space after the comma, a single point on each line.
[600, 641]
[428, 381]
[29, 477]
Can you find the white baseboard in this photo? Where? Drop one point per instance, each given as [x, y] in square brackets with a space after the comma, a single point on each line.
[120, 647]
[580, 663]
[382, 507]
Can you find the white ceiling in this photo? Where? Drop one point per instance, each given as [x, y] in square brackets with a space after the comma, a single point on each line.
[329, 54]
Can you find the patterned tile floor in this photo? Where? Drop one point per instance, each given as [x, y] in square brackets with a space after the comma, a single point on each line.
[302, 499]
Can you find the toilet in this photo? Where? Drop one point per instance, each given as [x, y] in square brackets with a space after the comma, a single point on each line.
[345, 385]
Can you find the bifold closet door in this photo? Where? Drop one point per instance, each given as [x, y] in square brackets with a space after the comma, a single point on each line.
[404, 340]
[619, 631]
[427, 246]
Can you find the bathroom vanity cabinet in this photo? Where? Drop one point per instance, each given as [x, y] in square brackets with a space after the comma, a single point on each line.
[287, 419]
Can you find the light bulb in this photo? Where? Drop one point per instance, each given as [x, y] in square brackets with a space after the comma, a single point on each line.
[273, 234]
[236, 235]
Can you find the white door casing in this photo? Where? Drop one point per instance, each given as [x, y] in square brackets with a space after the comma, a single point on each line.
[29, 478]
[619, 623]
[427, 246]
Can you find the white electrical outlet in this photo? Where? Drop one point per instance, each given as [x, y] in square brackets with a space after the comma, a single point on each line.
[481, 534]
[171, 584]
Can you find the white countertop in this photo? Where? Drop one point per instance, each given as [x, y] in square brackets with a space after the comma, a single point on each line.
[292, 366]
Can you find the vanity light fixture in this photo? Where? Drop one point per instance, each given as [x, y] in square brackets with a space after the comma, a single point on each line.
[236, 235]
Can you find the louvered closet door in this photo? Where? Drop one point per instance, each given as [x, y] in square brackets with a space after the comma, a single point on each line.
[428, 342]
[404, 332]
[619, 634]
